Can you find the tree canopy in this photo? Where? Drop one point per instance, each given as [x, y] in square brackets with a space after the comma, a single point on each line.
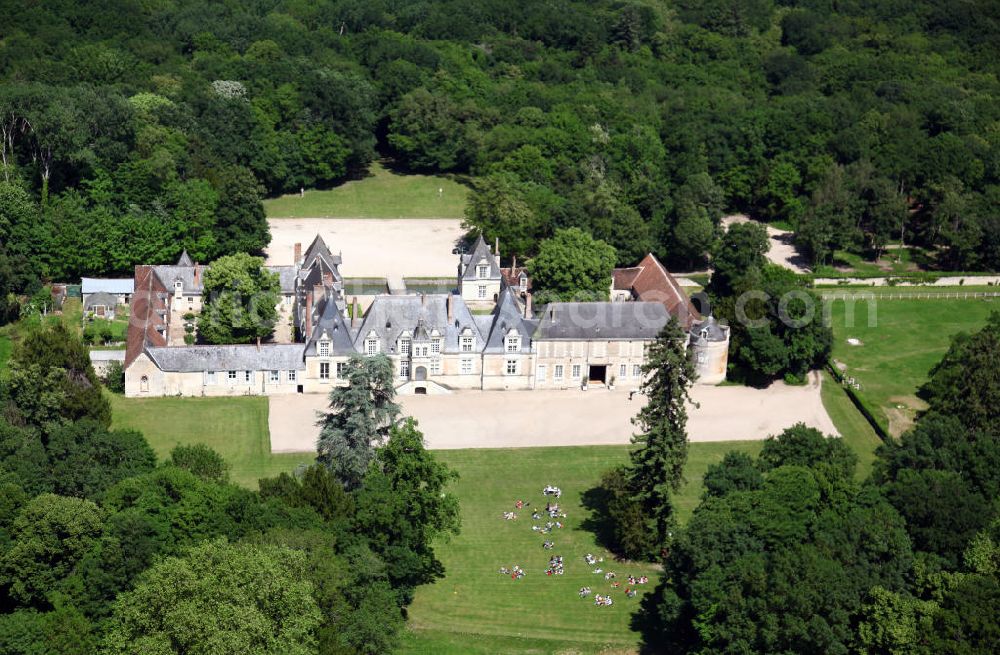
[572, 265]
[241, 299]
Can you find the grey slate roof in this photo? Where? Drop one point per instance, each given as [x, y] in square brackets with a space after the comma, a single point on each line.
[508, 314]
[711, 328]
[101, 298]
[390, 316]
[286, 276]
[185, 259]
[243, 357]
[601, 320]
[479, 253]
[319, 250]
[170, 274]
[107, 285]
[330, 322]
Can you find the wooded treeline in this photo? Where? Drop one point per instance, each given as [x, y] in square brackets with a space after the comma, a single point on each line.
[134, 129]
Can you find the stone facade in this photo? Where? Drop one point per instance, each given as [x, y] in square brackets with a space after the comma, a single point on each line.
[436, 342]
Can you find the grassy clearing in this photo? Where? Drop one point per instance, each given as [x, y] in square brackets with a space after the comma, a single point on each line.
[235, 427]
[906, 339]
[476, 610]
[852, 426]
[382, 194]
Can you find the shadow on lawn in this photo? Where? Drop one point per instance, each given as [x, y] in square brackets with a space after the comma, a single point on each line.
[599, 522]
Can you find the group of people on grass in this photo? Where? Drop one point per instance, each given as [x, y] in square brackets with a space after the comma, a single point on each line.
[556, 566]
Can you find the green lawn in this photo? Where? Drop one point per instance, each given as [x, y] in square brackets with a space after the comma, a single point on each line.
[896, 353]
[235, 427]
[851, 424]
[383, 194]
[474, 609]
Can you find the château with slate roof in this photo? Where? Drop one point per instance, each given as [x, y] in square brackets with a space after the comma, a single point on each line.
[483, 335]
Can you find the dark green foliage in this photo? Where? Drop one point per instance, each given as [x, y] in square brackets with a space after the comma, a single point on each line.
[200, 460]
[736, 472]
[572, 265]
[361, 414]
[799, 445]
[741, 252]
[50, 379]
[86, 459]
[965, 384]
[644, 520]
[240, 300]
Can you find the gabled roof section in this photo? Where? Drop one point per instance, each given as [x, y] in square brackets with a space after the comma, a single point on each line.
[185, 259]
[480, 254]
[147, 313]
[390, 316]
[330, 323]
[507, 315]
[319, 250]
[650, 281]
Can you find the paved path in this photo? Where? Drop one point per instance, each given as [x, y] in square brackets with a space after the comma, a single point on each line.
[498, 419]
[782, 250]
[374, 247]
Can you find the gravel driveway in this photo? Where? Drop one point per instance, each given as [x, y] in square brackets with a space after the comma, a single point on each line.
[496, 419]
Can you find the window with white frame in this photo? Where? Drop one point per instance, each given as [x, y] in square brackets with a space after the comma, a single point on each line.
[231, 375]
[341, 367]
[371, 346]
[467, 342]
[466, 366]
[209, 377]
[292, 376]
[274, 376]
[247, 376]
[481, 291]
[404, 368]
[435, 367]
[483, 270]
[436, 347]
[404, 346]
[576, 371]
[324, 348]
[702, 357]
[511, 367]
[622, 370]
[324, 370]
[524, 282]
[540, 373]
[636, 371]
[513, 341]
[558, 372]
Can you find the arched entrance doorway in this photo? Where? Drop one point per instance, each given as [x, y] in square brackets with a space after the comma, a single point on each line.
[420, 374]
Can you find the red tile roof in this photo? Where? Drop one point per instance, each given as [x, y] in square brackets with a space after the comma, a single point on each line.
[148, 300]
[650, 281]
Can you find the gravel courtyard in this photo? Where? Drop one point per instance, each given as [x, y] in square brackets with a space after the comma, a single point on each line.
[497, 419]
[374, 247]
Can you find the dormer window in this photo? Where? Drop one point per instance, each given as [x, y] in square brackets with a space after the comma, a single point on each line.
[466, 341]
[483, 271]
[178, 289]
[513, 341]
[371, 346]
[404, 346]
[524, 282]
[324, 348]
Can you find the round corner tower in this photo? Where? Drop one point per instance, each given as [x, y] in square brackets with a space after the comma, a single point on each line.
[710, 347]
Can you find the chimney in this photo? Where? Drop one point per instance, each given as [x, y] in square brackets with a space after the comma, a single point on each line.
[258, 344]
[496, 249]
[513, 264]
[451, 310]
[197, 275]
[309, 317]
[527, 305]
[297, 257]
[356, 314]
[423, 300]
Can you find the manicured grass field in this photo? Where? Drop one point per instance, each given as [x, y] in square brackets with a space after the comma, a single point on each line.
[235, 427]
[474, 609]
[383, 194]
[906, 339]
[852, 426]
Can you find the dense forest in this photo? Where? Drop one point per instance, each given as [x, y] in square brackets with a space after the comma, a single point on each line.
[103, 550]
[133, 129]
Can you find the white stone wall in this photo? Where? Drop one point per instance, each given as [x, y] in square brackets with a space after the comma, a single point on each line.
[711, 358]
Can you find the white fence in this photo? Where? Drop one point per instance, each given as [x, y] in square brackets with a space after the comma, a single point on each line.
[921, 295]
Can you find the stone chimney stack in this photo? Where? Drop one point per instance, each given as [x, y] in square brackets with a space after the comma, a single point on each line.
[423, 300]
[527, 305]
[309, 317]
[496, 249]
[356, 314]
[451, 309]
[197, 275]
[297, 257]
[258, 344]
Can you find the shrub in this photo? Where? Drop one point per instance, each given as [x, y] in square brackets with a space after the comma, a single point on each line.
[114, 376]
[189, 339]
